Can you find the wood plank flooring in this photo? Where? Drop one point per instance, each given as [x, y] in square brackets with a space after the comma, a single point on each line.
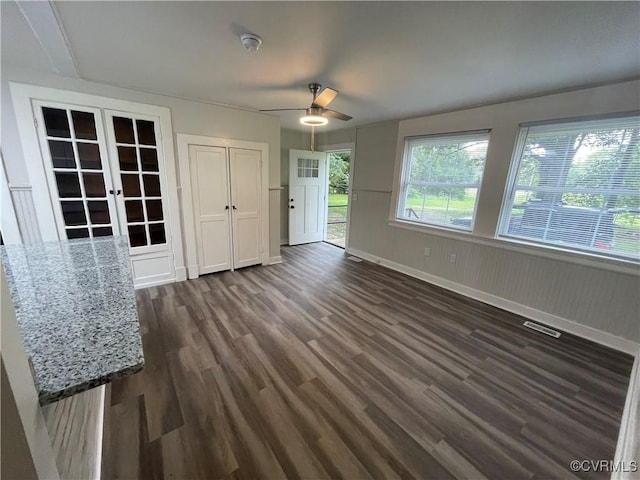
[326, 368]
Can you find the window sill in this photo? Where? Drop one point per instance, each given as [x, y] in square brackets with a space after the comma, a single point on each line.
[628, 267]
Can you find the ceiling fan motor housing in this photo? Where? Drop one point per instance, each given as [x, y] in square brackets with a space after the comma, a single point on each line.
[314, 88]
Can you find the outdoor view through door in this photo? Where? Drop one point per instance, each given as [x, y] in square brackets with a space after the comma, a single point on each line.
[338, 199]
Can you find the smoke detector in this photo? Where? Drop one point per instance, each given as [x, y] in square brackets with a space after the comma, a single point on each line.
[251, 41]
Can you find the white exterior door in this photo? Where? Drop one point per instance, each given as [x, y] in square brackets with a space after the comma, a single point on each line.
[307, 194]
[246, 207]
[212, 207]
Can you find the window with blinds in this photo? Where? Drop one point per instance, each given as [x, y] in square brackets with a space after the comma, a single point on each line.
[441, 178]
[577, 185]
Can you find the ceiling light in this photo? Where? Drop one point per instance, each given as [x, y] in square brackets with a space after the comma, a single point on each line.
[313, 120]
[251, 41]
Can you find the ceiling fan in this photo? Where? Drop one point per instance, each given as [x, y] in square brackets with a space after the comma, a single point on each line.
[317, 113]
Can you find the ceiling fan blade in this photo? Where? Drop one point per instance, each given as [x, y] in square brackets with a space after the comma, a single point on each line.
[281, 109]
[325, 97]
[334, 114]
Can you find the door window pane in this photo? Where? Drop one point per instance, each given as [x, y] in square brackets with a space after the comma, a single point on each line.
[149, 159]
[123, 128]
[146, 134]
[89, 154]
[137, 236]
[68, 185]
[102, 232]
[99, 212]
[156, 232]
[73, 213]
[56, 122]
[94, 185]
[127, 157]
[77, 233]
[134, 211]
[62, 154]
[84, 125]
[308, 167]
[151, 185]
[131, 185]
[154, 210]
[82, 192]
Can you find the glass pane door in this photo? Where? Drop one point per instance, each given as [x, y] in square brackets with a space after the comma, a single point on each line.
[79, 178]
[138, 157]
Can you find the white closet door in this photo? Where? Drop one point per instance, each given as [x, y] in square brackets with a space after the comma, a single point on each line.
[211, 204]
[246, 194]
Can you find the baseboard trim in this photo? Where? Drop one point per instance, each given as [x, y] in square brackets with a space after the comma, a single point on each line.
[629, 436]
[193, 271]
[569, 326]
[154, 283]
[275, 260]
[284, 241]
[181, 274]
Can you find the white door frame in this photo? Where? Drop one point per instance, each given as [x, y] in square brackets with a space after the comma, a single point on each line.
[351, 146]
[183, 141]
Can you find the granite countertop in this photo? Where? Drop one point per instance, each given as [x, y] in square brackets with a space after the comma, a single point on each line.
[76, 309]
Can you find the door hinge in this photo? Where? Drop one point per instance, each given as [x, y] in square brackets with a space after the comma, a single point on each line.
[35, 122]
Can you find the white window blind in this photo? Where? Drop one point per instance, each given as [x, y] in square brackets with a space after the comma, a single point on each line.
[577, 185]
[441, 178]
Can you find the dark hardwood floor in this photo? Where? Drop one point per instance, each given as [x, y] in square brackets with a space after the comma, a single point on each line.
[326, 368]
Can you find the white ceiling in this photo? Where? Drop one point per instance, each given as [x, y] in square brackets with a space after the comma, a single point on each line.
[387, 59]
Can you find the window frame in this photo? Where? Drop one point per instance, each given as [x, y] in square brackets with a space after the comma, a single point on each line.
[508, 198]
[403, 182]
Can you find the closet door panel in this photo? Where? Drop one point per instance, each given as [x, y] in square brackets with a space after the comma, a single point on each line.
[210, 190]
[245, 169]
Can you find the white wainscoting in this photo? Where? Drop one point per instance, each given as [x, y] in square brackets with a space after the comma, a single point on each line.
[25, 210]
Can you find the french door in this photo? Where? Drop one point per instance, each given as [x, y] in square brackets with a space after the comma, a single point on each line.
[106, 176]
[78, 172]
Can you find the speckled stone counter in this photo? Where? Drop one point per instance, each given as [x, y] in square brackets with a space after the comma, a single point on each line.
[76, 309]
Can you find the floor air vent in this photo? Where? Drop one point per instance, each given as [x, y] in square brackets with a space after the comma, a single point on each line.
[542, 329]
[354, 259]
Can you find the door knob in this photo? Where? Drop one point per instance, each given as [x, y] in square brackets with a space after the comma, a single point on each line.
[234, 207]
[226, 207]
[291, 200]
[292, 206]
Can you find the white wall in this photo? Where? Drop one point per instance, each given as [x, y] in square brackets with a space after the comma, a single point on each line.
[587, 295]
[189, 117]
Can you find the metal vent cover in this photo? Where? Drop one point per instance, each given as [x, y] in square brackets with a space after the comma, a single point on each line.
[542, 329]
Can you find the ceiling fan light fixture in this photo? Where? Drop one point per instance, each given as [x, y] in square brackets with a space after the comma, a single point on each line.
[251, 41]
[313, 120]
